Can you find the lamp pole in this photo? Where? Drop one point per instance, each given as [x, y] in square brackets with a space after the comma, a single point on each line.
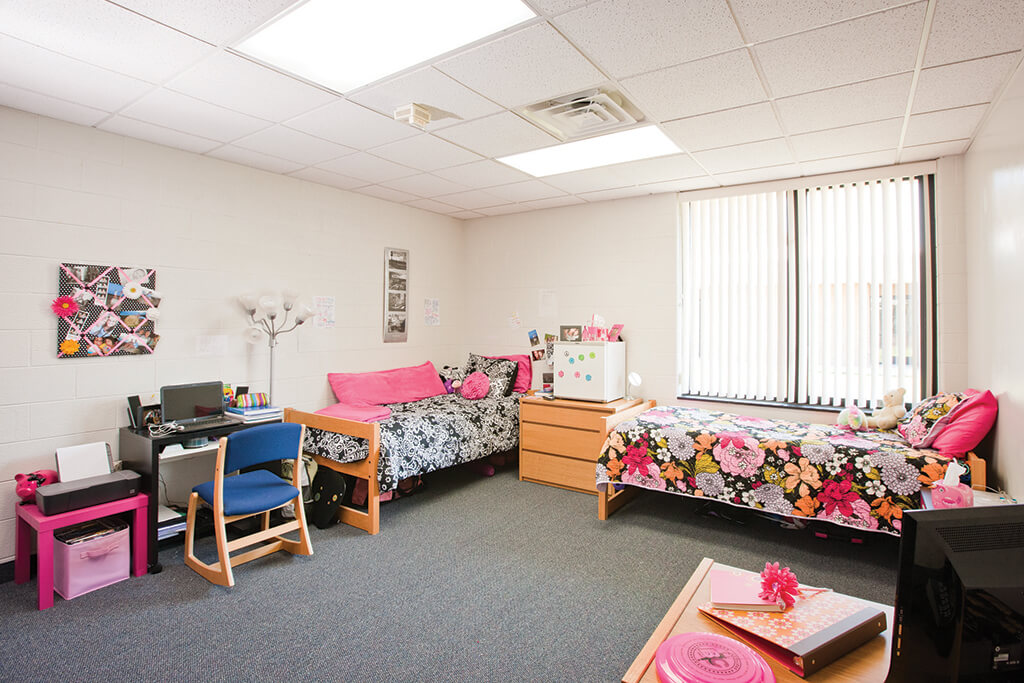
[272, 323]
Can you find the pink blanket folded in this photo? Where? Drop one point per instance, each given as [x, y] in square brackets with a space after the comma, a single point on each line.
[359, 413]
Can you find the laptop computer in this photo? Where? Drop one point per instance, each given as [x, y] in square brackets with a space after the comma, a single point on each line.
[194, 406]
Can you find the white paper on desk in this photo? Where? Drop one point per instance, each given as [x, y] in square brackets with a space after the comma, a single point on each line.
[79, 462]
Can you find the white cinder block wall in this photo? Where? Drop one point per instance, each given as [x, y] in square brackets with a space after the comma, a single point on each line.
[212, 230]
[994, 197]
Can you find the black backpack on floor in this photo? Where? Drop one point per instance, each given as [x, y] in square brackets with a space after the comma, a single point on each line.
[327, 491]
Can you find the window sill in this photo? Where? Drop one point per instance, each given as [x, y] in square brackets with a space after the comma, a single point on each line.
[760, 404]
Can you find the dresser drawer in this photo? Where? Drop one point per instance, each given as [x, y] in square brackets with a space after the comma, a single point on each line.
[565, 417]
[571, 443]
[579, 475]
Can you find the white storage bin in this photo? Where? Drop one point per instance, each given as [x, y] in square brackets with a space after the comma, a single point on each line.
[90, 555]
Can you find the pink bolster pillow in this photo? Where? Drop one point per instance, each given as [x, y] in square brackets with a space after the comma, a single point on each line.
[968, 424]
[357, 413]
[524, 376]
[400, 385]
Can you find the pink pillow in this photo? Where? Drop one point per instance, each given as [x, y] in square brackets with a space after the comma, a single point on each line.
[524, 375]
[968, 424]
[475, 386]
[357, 413]
[401, 385]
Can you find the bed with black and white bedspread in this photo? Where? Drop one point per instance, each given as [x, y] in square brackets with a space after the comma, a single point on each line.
[428, 435]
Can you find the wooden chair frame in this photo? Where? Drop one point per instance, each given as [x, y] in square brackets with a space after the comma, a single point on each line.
[220, 572]
[366, 468]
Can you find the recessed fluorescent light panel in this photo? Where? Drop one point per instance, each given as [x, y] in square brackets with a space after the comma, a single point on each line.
[343, 44]
[616, 148]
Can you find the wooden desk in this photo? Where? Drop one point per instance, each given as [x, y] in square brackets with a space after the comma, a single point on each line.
[869, 662]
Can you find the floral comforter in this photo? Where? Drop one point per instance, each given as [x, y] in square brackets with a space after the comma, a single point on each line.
[428, 435]
[857, 479]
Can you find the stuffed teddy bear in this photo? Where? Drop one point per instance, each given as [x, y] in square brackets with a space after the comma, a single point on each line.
[26, 484]
[891, 411]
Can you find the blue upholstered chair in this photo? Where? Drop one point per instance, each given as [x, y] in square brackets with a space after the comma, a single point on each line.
[245, 495]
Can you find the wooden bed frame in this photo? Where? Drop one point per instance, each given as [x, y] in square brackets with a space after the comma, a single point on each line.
[366, 468]
[610, 500]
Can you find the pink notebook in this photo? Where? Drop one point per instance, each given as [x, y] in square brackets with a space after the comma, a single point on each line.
[738, 590]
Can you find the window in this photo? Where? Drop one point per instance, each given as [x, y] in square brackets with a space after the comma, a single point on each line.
[819, 296]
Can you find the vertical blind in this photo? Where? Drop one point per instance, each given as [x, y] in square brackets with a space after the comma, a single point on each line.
[815, 296]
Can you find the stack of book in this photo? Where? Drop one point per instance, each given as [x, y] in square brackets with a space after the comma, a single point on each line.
[169, 523]
[250, 415]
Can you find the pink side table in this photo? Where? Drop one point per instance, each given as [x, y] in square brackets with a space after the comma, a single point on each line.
[30, 520]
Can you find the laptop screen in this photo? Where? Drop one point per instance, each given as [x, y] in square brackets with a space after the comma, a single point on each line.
[185, 403]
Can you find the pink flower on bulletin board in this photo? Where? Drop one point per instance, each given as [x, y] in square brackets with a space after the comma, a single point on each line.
[69, 346]
[64, 306]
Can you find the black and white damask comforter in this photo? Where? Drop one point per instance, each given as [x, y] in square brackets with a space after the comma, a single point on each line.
[428, 435]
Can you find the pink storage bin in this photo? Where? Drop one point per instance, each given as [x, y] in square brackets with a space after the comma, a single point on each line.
[90, 555]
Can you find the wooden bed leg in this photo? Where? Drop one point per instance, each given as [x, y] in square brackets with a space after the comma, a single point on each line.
[978, 478]
[609, 502]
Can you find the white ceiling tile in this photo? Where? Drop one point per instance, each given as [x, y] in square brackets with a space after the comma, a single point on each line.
[472, 199]
[524, 67]
[722, 128]
[425, 152]
[670, 167]
[215, 22]
[286, 143]
[40, 71]
[498, 135]
[180, 112]
[319, 175]
[235, 83]
[424, 185]
[248, 157]
[97, 32]
[449, 101]
[683, 185]
[590, 180]
[762, 20]
[881, 98]
[958, 85]
[525, 191]
[720, 82]
[465, 215]
[628, 37]
[162, 136]
[553, 7]
[49, 106]
[352, 125]
[853, 162]
[504, 209]
[943, 126]
[432, 205]
[553, 202]
[933, 151]
[865, 137]
[480, 174]
[387, 193]
[751, 155]
[605, 195]
[877, 45]
[372, 169]
[964, 29]
[759, 175]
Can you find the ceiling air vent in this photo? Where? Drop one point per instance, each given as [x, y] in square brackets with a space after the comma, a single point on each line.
[583, 114]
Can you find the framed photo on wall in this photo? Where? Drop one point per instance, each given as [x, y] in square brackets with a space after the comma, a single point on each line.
[396, 289]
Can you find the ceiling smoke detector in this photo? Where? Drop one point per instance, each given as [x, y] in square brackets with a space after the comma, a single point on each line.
[583, 114]
[414, 114]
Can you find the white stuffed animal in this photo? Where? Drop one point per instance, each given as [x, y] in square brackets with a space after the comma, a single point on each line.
[891, 411]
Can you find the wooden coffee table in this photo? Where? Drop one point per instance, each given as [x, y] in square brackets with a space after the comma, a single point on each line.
[869, 662]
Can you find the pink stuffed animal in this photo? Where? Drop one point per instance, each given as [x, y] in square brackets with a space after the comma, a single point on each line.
[26, 484]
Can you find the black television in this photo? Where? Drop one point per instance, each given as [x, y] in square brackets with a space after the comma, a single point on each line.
[959, 613]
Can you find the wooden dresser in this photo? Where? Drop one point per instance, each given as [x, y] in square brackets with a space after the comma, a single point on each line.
[559, 440]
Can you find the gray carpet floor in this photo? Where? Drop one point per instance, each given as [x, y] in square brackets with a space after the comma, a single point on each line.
[472, 579]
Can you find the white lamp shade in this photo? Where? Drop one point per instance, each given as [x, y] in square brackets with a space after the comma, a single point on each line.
[635, 379]
[248, 302]
[253, 335]
[290, 297]
[270, 305]
[303, 312]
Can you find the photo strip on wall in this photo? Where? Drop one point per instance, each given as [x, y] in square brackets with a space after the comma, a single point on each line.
[396, 295]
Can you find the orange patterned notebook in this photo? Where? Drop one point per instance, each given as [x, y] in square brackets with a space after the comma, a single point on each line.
[816, 631]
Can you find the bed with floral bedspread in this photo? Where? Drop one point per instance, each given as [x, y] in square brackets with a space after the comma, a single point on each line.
[427, 435]
[864, 480]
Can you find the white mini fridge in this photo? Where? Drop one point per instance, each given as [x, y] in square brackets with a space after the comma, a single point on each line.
[590, 371]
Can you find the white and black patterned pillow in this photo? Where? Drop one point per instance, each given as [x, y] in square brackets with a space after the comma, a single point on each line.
[501, 372]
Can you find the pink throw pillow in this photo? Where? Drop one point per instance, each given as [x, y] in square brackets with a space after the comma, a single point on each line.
[968, 424]
[524, 375]
[475, 386]
[357, 413]
[400, 385]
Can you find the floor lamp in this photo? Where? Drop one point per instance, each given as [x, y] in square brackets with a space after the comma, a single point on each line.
[271, 322]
